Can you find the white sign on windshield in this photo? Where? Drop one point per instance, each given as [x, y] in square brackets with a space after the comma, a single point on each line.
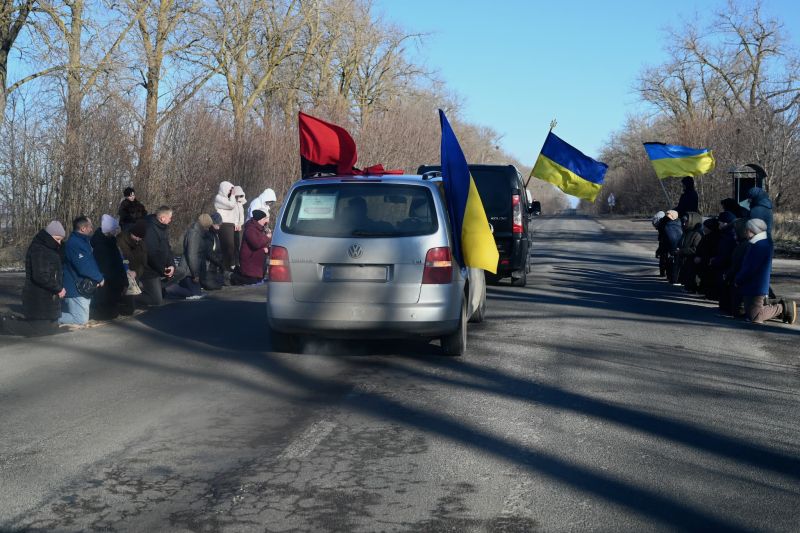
[317, 207]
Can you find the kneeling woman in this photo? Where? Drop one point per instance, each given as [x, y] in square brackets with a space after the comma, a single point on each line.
[256, 239]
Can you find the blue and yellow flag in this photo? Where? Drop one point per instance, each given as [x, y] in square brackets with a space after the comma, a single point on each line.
[673, 161]
[569, 169]
[474, 244]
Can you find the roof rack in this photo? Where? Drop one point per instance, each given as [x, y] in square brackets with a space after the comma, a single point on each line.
[431, 174]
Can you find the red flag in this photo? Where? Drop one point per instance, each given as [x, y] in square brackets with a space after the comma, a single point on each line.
[325, 147]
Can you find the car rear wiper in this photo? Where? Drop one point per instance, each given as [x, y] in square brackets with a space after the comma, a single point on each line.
[364, 233]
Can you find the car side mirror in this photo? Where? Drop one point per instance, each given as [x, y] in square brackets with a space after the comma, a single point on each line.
[535, 208]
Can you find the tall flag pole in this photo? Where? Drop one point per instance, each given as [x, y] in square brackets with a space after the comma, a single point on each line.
[568, 168]
[473, 244]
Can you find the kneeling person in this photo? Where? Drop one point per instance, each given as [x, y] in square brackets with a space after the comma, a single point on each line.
[255, 247]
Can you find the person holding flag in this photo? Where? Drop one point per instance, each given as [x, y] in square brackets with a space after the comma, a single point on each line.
[676, 161]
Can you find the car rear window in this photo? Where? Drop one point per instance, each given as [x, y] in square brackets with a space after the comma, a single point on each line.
[495, 190]
[360, 210]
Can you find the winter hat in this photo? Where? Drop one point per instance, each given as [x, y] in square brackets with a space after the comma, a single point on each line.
[139, 228]
[216, 219]
[205, 220]
[258, 214]
[672, 214]
[108, 224]
[756, 225]
[726, 217]
[711, 223]
[657, 217]
[55, 229]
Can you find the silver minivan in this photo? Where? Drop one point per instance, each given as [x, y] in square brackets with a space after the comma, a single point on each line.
[369, 256]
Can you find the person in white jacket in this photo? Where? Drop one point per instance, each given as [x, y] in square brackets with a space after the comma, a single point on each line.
[238, 194]
[262, 203]
[225, 204]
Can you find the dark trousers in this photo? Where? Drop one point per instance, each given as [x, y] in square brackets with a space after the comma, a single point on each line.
[29, 328]
[227, 240]
[237, 278]
[106, 302]
[151, 292]
[688, 273]
[673, 268]
[237, 242]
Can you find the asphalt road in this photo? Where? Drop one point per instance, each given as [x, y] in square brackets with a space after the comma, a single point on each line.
[598, 398]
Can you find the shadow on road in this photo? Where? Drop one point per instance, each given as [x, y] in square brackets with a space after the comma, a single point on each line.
[203, 339]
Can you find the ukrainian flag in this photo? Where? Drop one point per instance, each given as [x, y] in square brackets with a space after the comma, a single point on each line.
[569, 169]
[473, 244]
[671, 160]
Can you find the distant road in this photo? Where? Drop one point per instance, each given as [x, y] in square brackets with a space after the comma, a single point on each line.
[598, 398]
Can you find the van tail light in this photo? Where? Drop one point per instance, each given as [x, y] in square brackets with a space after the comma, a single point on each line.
[438, 266]
[279, 264]
[517, 207]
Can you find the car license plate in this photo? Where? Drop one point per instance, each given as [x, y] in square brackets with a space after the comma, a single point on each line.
[354, 273]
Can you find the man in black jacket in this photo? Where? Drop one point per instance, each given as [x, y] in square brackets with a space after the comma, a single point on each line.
[44, 287]
[160, 261]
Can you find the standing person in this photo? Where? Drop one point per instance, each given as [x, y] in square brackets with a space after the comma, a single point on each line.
[752, 281]
[196, 242]
[730, 205]
[107, 299]
[730, 300]
[721, 261]
[262, 203]
[79, 265]
[672, 234]
[761, 207]
[214, 263]
[661, 254]
[130, 209]
[238, 193]
[705, 251]
[225, 204]
[687, 249]
[688, 200]
[160, 261]
[133, 249]
[44, 288]
[257, 238]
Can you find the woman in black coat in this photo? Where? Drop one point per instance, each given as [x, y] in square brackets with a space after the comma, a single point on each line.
[106, 301]
[130, 209]
[44, 288]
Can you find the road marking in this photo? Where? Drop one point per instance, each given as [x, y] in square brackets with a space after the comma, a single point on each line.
[305, 443]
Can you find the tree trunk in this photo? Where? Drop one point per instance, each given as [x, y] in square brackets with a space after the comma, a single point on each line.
[144, 187]
[71, 202]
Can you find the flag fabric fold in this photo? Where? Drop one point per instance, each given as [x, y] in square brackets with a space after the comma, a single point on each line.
[678, 161]
[569, 169]
[473, 244]
[325, 147]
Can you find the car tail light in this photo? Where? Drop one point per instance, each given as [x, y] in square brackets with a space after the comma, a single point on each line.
[517, 222]
[279, 264]
[438, 266]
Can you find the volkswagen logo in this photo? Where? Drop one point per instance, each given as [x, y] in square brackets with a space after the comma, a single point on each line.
[355, 251]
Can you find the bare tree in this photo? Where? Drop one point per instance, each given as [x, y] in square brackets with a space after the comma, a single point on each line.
[70, 21]
[164, 34]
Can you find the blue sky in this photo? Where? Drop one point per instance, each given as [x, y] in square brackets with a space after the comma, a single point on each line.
[518, 64]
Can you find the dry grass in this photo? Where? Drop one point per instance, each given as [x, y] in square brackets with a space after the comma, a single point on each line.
[787, 227]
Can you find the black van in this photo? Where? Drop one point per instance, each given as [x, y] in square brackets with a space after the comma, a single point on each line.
[503, 195]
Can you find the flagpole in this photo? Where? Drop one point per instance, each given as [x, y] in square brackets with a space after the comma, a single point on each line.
[669, 200]
[553, 124]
